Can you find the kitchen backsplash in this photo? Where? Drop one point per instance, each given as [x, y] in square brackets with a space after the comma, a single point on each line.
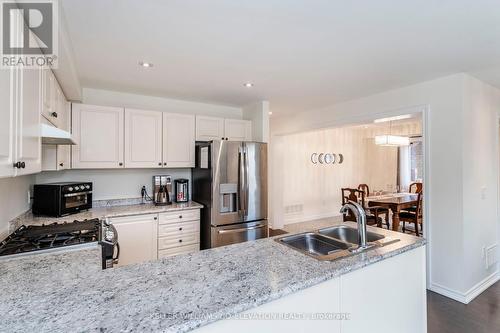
[112, 184]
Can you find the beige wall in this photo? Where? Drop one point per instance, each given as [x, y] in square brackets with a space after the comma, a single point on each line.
[313, 190]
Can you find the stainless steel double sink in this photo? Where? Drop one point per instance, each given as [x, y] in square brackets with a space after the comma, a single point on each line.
[333, 242]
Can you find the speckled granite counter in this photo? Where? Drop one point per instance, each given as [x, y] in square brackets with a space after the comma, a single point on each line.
[113, 211]
[174, 294]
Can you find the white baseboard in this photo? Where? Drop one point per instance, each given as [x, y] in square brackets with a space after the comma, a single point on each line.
[450, 293]
[470, 294]
[481, 286]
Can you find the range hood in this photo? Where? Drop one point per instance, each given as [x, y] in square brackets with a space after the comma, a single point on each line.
[52, 135]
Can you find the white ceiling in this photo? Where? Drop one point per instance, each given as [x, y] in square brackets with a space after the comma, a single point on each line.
[299, 54]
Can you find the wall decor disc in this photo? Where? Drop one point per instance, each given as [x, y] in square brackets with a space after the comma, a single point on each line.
[321, 158]
[341, 158]
[334, 156]
[314, 158]
[328, 158]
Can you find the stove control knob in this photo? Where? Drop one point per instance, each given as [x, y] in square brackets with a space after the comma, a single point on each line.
[70, 189]
[77, 188]
[87, 187]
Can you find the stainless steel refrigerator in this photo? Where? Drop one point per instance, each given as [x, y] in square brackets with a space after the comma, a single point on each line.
[230, 180]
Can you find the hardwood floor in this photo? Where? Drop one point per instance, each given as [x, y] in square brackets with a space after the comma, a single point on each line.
[448, 316]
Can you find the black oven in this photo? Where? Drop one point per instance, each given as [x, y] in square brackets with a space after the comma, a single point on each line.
[59, 199]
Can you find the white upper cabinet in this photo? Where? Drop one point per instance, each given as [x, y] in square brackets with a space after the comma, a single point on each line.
[49, 96]
[143, 139]
[8, 114]
[98, 132]
[178, 140]
[209, 128]
[213, 128]
[238, 130]
[28, 142]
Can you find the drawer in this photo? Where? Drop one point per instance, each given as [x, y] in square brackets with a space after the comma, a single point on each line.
[178, 228]
[178, 250]
[179, 216]
[178, 240]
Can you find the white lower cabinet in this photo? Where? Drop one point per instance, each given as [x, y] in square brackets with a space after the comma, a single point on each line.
[137, 237]
[178, 232]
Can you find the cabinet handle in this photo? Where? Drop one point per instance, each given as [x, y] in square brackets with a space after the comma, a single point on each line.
[180, 229]
[120, 164]
[156, 218]
[180, 240]
[23, 165]
[165, 163]
[17, 165]
[180, 216]
[54, 114]
[61, 164]
[159, 164]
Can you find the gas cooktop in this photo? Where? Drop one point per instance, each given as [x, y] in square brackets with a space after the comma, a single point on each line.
[35, 238]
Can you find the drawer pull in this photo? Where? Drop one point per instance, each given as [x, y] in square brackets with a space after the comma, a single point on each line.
[180, 216]
[180, 240]
[180, 229]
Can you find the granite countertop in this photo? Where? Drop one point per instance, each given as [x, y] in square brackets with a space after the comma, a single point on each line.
[55, 293]
[100, 212]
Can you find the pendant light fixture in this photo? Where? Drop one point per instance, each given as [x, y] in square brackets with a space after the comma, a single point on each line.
[392, 140]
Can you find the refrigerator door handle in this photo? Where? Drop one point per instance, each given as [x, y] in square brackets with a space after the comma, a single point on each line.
[227, 231]
[241, 185]
[247, 194]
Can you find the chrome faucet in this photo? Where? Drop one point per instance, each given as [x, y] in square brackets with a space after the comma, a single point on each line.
[360, 214]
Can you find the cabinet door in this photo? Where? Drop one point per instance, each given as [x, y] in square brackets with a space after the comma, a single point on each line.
[49, 96]
[238, 130]
[178, 140]
[137, 236]
[64, 151]
[7, 125]
[98, 132]
[143, 136]
[28, 143]
[209, 128]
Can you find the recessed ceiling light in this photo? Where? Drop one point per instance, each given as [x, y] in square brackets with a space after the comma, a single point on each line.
[248, 84]
[145, 64]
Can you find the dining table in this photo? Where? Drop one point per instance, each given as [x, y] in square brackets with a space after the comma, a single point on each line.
[395, 202]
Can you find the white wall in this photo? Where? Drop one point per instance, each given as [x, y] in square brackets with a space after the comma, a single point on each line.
[13, 200]
[312, 191]
[114, 98]
[447, 129]
[113, 184]
[480, 161]
[258, 113]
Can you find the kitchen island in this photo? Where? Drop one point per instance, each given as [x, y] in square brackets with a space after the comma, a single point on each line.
[59, 292]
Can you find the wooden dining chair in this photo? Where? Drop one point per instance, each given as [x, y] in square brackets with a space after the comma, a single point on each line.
[373, 214]
[381, 210]
[415, 188]
[364, 188]
[414, 217]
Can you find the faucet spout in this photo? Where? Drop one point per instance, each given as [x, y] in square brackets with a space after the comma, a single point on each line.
[360, 215]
